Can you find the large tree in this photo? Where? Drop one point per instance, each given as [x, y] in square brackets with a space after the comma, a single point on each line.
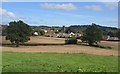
[92, 34]
[18, 32]
[118, 33]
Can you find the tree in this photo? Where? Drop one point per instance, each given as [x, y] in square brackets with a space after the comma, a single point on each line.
[92, 34]
[118, 33]
[40, 32]
[18, 32]
[111, 34]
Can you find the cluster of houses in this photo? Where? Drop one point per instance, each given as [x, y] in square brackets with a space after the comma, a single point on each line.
[52, 33]
[56, 33]
[62, 34]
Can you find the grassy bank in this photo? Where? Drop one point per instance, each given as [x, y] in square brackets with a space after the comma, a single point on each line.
[54, 62]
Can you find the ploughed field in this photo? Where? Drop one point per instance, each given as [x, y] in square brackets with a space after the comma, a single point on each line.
[57, 45]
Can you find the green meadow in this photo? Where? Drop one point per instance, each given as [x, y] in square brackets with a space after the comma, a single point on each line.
[58, 62]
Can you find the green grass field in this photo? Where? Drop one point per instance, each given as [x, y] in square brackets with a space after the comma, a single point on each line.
[58, 62]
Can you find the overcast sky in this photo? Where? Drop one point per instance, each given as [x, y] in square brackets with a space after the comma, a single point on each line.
[61, 13]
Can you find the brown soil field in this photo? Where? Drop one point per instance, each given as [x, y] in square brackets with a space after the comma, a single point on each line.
[111, 44]
[61, 48]
[39, 39]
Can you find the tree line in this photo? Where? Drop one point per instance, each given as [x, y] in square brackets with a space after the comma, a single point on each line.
[19, 32]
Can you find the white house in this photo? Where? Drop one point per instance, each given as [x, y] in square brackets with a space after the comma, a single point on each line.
[36, 33]
[111, 38]
[45, 31]
[71, 34]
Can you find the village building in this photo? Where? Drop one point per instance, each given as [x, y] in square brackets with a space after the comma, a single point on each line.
[36, 33]
[109, 38]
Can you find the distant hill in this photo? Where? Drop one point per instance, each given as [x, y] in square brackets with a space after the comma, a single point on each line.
[74, 28]
[40, 27]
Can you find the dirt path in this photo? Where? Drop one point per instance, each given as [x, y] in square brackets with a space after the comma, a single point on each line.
[62, 49]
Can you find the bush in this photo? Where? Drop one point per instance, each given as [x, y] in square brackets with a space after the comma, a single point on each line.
[72, 40]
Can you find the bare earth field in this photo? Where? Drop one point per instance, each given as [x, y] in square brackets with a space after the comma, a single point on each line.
[62, 48]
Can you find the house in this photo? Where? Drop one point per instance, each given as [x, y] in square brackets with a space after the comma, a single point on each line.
[36, 33]
[62, 35]
[108, 38]
[71, 34]
[45, 31]
[113, 38]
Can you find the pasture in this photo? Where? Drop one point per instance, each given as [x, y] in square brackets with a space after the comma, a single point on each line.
[58, 62]
[51, 40]
[52, 55]
[57, 45]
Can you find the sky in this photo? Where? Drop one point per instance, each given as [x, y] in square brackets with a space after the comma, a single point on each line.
[61, 13]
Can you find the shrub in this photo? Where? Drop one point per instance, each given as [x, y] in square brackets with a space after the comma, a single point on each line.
[71, 40]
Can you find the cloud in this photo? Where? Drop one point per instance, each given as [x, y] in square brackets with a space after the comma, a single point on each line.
[8, 14]
[107, 5]
[4, 0]
[94, 7]
[66, 7]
